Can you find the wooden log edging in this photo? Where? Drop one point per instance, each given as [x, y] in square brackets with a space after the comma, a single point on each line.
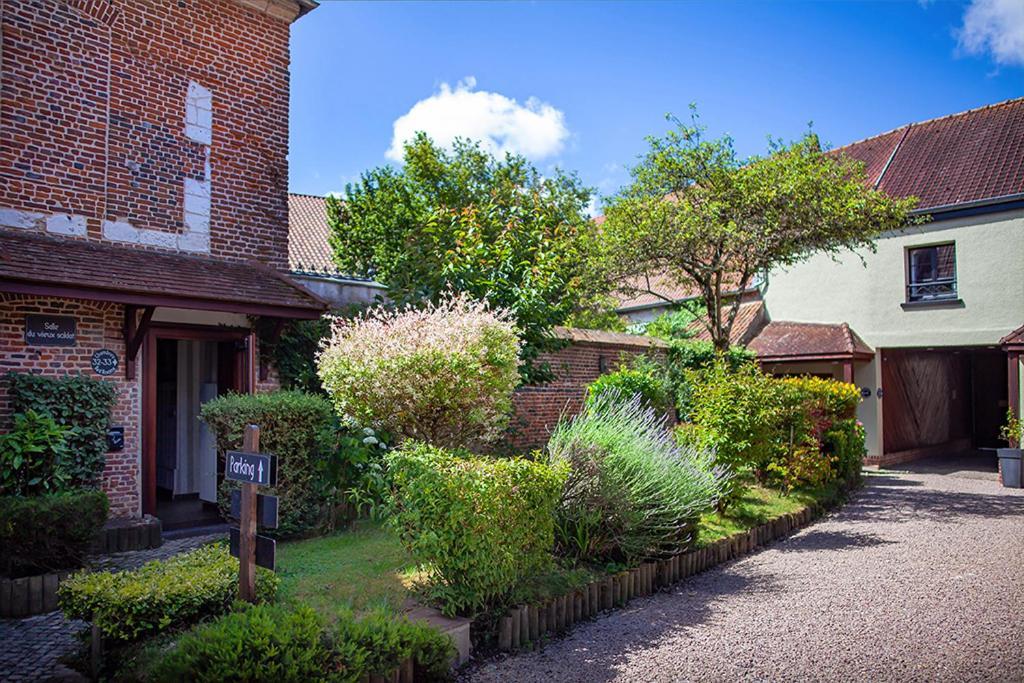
[30, 595]
[609, 592]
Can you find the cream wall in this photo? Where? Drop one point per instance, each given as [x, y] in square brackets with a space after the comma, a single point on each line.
[990, 281]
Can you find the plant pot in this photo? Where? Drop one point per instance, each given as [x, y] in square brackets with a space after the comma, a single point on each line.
[1009, 467]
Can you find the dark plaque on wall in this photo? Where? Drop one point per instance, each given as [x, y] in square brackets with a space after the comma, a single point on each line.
[104, 362]
[50, 330]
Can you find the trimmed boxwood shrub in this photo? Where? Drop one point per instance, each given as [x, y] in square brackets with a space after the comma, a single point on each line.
[481, 525]
[295, 427]
[161, 594]
[82, 404]
[268, 643]
[50, 532]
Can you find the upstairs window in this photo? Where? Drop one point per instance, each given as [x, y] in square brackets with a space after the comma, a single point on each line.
[931, 273]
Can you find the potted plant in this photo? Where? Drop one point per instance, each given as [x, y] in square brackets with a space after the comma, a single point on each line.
[1009, 458]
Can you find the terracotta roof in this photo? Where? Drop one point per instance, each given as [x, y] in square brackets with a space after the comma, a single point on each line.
[630, 298]
[39, 264]
[308, 248]
[780, 340]
[1015, 338]
[749, 321]
[960, 158]
[582, 336]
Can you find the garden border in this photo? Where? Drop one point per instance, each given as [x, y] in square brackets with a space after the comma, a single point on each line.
[525, 625]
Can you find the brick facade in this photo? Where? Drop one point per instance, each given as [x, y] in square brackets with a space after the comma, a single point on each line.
[98, 327]
[106, 133]
[148, 124]
[538, 408]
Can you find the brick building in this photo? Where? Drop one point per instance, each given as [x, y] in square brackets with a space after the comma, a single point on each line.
[144, 214]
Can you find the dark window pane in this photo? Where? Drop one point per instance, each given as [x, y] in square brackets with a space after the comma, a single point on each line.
[931, 273]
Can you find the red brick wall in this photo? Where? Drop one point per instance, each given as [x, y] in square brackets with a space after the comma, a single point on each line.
[538, 408]
[98, 327]
[92, 118]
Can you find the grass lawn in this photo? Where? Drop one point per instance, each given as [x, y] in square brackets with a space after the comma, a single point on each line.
[757, 505]
[363, 568]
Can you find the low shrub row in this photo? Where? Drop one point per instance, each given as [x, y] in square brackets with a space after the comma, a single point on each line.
[50, 532]
[160, 595]
[269, 643]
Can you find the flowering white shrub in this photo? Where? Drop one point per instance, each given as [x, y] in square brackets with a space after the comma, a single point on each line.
[443, 374]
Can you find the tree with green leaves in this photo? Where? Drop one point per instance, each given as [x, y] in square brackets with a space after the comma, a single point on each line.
[463, 220]
[697, 215]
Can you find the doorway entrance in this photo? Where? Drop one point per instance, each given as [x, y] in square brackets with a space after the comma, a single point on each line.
[184, 367]
[945, 400]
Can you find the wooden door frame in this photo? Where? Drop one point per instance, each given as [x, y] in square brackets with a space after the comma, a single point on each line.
[244, 380]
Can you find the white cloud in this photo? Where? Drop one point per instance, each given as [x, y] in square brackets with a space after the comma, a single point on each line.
[997, 27]
[534, 129]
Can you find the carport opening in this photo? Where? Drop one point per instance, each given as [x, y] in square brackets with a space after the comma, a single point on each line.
[943, 400]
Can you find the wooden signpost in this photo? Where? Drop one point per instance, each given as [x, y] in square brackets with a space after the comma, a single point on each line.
[252, 469]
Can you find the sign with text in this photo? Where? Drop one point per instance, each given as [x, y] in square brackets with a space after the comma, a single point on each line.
[266, 509]
[266, 549]
[104, 362]
[50, 330]
[250, 468]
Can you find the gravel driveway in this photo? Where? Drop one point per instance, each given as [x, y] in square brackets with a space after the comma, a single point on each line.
[919, 578]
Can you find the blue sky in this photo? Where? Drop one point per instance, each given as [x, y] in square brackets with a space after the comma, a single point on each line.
[578, 85]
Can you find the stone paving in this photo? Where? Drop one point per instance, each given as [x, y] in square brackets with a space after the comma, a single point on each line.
[917, 578]
[30, 648]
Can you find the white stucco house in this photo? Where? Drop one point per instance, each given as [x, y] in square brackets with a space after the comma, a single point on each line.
[929, 324]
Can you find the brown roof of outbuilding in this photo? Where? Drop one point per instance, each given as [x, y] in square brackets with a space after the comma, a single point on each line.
[957, 159]
[1015, 338]
[748, 322]
[39, 264]
[309, 250]
[781, 340]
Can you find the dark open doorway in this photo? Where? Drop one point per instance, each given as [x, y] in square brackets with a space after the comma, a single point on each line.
[184, 367]
[943, 400]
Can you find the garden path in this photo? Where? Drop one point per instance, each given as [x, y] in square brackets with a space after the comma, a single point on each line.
[917, 578]
[31, 648]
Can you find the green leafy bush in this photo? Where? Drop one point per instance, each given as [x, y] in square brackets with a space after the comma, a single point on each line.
[784, 432]
[78, 402]
[295, 427]
[267, 643]
[443, 374]
[632, 492]
[49, 532]
[688, 355]
[161, 594]
[643, 379]
[33, 456]
[481, 525]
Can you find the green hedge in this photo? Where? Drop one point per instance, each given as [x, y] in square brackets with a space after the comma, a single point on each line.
[785, 432]
[267, 643]
[161, 594]
[50, 532]
[295, 427]
[481, 525]
[76, 401]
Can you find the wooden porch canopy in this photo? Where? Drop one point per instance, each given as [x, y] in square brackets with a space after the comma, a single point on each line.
[143, 279]
[1013, 344]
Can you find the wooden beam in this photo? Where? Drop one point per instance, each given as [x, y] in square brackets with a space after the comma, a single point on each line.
[134, 333]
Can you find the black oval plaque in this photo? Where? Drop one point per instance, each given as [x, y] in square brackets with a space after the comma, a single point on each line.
[104, 362]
